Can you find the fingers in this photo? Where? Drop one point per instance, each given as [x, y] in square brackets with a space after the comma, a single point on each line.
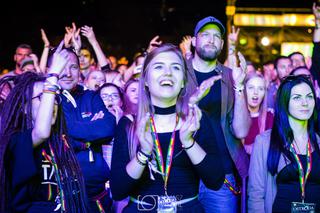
[154, 42]
[213, 79]
[143, 126]
[237, 32]
[59, 48]
[198, 116]
[77, 33]
[85, 30]
[74, 28]
[43, 33]
[204, 89]
[192, 121]
[97, 116]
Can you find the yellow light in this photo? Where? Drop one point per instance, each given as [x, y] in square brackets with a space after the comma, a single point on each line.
[271, 20]
[243, 41]
[230, 10]
[265, 41]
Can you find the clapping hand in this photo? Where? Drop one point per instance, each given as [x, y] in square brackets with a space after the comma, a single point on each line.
[190, 125]
[203, 89]
[144, 134]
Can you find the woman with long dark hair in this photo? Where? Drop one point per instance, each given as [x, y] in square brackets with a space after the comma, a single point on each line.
[284, 173]
[160, 159]
[38, 168]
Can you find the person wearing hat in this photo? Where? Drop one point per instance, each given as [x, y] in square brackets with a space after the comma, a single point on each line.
[225, 104]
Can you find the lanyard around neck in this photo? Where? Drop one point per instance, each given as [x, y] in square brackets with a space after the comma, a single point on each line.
[303, 176]
[164, 169]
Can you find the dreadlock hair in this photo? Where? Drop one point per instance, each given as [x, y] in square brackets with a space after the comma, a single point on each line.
[16, 116]
[6, 84]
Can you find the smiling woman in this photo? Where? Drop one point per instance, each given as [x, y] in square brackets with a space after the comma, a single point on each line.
[166, 123]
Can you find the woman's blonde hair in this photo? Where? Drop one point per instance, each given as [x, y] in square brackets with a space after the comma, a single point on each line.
[144, 104]
[263, 108]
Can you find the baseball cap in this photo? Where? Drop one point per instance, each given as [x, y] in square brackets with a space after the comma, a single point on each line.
[207, 20]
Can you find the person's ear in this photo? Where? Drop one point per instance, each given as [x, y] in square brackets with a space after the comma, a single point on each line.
[193, 41]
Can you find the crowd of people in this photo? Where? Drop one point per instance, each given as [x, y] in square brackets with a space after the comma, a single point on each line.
[175, 131]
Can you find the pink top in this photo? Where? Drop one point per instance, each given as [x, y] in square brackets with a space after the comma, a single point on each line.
[254, 129]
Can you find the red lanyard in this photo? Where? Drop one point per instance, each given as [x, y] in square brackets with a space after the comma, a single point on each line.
[164, 169]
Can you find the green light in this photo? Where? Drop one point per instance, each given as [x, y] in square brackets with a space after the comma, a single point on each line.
[243, 41]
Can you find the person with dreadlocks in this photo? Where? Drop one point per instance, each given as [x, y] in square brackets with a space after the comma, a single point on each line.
[89, 125]
[38, 169]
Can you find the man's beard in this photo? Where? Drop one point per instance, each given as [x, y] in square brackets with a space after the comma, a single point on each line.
[208, 55]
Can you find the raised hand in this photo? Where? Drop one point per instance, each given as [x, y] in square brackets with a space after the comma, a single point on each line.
[87, 32]
[190, 125]
[116, 111]
[68, 37]
[44, 38]
[185, 44]
[316, 11]
[238, 72]
[233, 36]
[76, 39]
[144, 135]
[203, 89]
[154, 43]
[59, 59]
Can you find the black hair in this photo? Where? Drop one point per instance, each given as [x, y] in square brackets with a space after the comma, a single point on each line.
[281, 133]
[16, 116]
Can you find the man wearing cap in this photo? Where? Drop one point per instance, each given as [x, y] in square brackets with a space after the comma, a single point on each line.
[225, 104]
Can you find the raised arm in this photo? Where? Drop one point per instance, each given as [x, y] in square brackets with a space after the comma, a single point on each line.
[232, 43]
[43, 122]
[241, 119]
[315, 66]
[89, 34]
[45, 52]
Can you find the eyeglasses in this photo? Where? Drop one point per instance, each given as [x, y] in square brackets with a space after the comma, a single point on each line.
[113, 96]
[57, 99]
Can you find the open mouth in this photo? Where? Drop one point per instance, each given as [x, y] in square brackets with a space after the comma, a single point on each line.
[255, 99]
[166, 82]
